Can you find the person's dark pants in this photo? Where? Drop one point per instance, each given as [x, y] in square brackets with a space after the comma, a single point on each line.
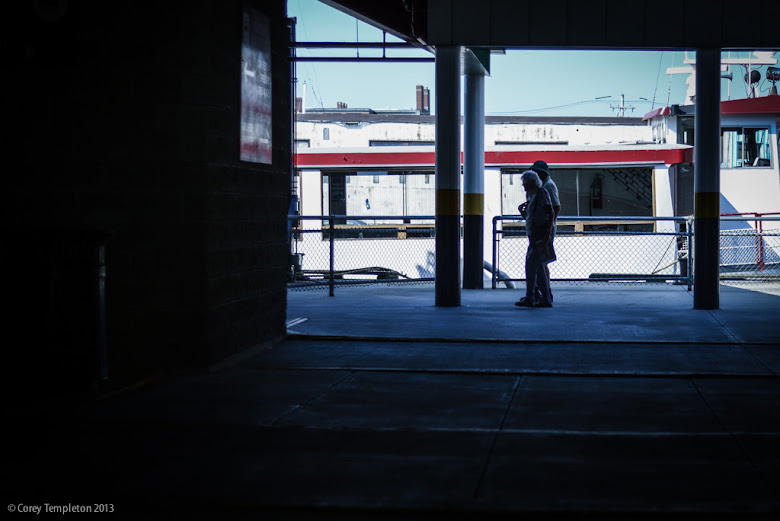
[538, 293]
[536, 276]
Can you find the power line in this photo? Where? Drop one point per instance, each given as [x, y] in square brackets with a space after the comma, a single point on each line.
[657, 77]
[669, 91]
[312, 71]
[567, 105]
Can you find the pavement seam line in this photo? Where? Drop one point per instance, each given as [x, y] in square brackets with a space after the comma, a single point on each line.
[300, 405]
[517, 372]
[496, 432]
[708, 405]
[734, 438]
[534, 432]
[724, 328]
[296, 336]
[758, 359]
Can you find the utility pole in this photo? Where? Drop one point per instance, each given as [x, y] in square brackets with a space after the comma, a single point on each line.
[622, 107]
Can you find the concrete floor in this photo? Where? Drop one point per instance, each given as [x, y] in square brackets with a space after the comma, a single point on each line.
[621, 402]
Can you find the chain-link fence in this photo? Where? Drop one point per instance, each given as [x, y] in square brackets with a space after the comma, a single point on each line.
[342, 250]
[646, 249]
[750, 249]
[600, 249]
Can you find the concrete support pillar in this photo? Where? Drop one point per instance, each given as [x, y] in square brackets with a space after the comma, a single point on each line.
[447, 176]
[706, 253]
[473, 180]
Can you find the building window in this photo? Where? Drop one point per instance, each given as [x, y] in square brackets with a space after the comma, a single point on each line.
[743, 147]
[659, 131]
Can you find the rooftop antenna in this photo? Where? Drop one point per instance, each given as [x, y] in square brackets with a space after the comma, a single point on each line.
[669, 91]
[728, 69]
[756, 59]
[752, 77]
[751, 64]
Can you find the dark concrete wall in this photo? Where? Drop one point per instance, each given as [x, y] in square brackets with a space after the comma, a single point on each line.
[125, 128]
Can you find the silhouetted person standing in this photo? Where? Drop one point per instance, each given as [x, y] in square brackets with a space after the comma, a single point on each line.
[539, 219]
[541, 168]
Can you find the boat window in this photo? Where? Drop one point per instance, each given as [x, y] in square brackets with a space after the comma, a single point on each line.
[591, 192]
[745, 147]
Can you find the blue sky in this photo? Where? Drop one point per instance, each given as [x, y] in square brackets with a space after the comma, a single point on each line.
[521, 82]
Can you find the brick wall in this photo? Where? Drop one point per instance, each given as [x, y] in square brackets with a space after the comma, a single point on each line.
[125, 121]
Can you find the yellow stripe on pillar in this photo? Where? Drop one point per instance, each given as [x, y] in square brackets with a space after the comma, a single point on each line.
[706, 205]
[448, 201]
[473, 204]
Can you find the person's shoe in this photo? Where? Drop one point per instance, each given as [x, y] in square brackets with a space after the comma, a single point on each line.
[542, 304]
[525, 302]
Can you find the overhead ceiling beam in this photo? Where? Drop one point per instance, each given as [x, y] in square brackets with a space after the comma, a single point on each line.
[354, 45]
[404, 19]
[605, 24]
[362, 59]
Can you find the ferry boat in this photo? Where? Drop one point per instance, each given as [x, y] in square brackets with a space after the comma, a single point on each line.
[370, 164]
[749, 172]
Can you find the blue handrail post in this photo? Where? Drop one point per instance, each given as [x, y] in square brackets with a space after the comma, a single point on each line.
[332, 250]
[495, 253]
[689, 260]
